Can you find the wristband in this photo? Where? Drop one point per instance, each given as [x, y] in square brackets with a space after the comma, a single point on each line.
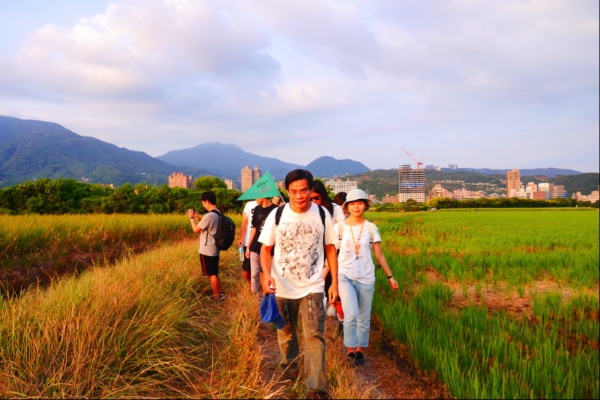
[192, 218]
[390, 277]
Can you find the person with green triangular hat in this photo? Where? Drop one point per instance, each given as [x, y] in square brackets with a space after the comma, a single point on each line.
[262, 190]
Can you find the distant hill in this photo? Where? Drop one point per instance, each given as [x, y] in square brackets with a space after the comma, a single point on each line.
[226, 160]
[549, 172]
[382, 182]
[584, 183]
[36, 149]
[329, 166]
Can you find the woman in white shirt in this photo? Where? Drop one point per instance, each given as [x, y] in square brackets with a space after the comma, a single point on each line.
[356, 273]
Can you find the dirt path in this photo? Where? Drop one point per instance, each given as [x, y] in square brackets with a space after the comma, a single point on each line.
[386, 373]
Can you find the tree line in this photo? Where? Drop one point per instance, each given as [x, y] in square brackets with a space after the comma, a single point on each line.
[512, 202]
[69, 196]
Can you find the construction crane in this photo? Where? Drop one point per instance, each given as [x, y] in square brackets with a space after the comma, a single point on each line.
[419, 162]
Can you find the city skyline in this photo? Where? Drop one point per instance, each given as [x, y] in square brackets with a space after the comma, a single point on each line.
[473, 84]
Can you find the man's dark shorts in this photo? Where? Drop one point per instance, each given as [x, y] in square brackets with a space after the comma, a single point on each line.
[210, 265]
[246, 263]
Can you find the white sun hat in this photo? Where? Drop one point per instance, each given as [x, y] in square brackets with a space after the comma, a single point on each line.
[354, 195]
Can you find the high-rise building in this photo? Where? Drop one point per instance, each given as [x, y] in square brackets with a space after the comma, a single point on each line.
[411, 184]
[249, 176]
[513, 182]
[339, 185]
[452, 166]
[178, 179]
[558, 192]
[256, 174]
[538, 195]
[548, 188]
[246, 178]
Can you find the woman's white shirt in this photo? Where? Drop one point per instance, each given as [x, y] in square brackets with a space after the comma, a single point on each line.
[359, 268]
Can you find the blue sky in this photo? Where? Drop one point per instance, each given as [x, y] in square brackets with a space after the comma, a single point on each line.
[499, 84]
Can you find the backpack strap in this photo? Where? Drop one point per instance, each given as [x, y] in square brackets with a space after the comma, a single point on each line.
[207, 232]
[278, 214]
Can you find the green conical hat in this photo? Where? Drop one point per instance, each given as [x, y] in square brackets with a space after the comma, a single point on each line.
[264, 187]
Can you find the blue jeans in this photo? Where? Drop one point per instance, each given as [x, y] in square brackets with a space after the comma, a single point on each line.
[357, 299]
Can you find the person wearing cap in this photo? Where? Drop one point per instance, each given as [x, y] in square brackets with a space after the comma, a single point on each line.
[357, 273]
[302, 238]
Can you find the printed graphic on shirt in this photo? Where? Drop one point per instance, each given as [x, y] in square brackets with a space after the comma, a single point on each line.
[299, 243]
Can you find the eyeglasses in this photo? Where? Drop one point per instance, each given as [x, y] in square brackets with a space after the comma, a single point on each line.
[301, 192]
[315, 198]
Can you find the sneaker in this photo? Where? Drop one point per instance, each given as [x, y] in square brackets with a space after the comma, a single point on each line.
[317, 395]
[359, 358]
[222, 297]
[350, 357]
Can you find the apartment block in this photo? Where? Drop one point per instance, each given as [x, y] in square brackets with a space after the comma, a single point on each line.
[230, 184]
[178, 179]
[539, 195]
[339, 185]
[411, 184]
[558, 192]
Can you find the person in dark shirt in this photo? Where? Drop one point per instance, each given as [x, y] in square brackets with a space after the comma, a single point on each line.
[261, 212]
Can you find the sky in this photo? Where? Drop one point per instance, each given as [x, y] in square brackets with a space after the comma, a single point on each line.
[480, 84]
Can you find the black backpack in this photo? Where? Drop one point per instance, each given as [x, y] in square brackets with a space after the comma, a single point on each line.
[225, 232]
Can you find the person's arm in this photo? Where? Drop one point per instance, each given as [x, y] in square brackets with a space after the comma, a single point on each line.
[243, 230]
[265, 263]
[332, 261]
[250, 239]
[192, 216]
[381, 260]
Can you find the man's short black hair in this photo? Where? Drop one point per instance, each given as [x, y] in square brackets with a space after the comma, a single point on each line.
[210, 197]
[297, 175]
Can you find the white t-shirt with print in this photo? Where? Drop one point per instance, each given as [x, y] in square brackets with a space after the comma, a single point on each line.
[297, 266]
[338, 214]
[248, 211]
[362, 269]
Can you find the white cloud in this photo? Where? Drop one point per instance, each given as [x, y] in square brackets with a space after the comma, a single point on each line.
[451, 80]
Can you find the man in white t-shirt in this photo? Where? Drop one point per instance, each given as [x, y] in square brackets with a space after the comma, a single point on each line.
[302, 235]
[244, 234]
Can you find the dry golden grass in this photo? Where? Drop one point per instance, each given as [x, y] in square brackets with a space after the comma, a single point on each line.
[143, 328]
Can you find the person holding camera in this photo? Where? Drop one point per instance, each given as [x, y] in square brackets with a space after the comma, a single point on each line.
[209, 253]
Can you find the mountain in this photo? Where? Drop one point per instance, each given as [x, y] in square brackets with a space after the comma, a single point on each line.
[226, 160]
[549, 172]
[329, 167]
[36, 149]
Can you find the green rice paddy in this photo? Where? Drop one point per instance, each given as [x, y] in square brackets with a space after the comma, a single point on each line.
[475, 345]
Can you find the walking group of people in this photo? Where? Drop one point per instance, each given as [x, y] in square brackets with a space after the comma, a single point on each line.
[307, 253]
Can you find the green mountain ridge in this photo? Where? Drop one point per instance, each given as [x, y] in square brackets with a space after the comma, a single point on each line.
[31, 150]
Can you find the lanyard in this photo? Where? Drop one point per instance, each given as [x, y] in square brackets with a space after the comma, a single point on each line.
[356, 245]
